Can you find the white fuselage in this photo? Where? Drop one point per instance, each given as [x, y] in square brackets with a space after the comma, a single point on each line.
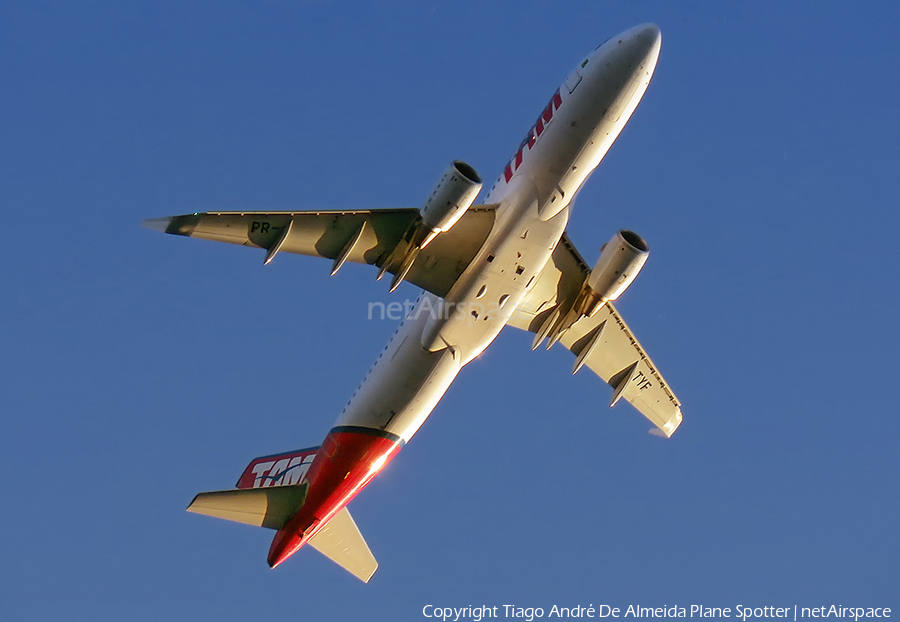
[533, 193]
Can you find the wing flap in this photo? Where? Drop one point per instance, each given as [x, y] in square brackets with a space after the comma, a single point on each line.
[341, 542]
[260, 507]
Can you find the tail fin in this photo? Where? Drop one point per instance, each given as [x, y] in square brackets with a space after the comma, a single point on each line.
[270, 491]
[265, 507]
[285, 469]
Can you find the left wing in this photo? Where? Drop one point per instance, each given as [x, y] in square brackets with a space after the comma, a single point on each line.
[604, 343]
[358, 236]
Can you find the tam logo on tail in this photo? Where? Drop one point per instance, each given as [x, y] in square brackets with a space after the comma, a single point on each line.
[285, 469]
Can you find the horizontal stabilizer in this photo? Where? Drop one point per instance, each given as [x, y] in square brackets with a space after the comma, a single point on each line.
[260, 507]
[341, 542]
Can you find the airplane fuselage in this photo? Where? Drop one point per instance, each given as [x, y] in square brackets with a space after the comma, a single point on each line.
[533, 196]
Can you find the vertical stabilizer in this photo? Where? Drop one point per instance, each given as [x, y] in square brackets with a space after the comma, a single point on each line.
[285, 469]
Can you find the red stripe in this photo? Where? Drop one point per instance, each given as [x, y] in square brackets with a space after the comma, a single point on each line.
[557, 99]
[347, 462]
[548, 113]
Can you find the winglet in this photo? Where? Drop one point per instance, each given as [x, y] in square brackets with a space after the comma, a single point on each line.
[157, 224]
[175, 225]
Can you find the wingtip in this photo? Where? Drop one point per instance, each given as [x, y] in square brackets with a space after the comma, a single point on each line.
[372, 574]
[668, 429]
[190, 507]
[175, 225]
[157, 224]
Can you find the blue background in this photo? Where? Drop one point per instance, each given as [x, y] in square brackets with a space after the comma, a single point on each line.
[139, 369]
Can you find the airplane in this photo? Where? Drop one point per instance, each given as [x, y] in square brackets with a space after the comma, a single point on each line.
[504, 262]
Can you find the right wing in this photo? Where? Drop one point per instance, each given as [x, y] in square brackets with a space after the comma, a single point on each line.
[603, 343]
[358, 236]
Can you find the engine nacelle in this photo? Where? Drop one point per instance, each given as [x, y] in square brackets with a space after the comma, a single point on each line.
[620, 261]
[453, 195]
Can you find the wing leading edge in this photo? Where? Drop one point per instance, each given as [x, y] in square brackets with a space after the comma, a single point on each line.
[357, 236]
[603, 343]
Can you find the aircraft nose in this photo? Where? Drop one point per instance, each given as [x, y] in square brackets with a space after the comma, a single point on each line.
[648, 33]
[643, 43]
[650, 38]
[635, 49]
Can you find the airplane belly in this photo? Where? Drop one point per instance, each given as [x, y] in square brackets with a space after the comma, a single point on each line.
[608, 119]
[478, 306]
[406, 382]
[430, 347]
[396, 396]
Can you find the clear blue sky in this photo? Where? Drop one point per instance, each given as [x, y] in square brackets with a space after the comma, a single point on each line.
[139, 369]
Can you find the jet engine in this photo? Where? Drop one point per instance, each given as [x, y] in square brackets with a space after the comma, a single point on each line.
[620, 261]
[453, 195]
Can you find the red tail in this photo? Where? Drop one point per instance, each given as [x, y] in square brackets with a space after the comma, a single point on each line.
[282, 469]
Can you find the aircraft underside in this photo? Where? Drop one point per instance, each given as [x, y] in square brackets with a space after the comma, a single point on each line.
[505, 262]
